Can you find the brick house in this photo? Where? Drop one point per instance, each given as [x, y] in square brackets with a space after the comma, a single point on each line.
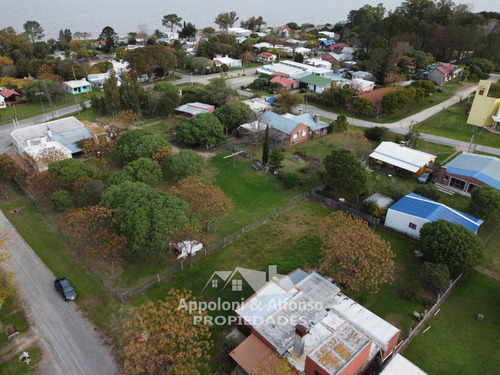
[467, 171]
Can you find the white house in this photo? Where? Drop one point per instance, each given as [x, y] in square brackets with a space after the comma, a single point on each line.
[63, 135]
[2, 102]
[78, 86]
[319, 63]
[231, 63]
[411, 212]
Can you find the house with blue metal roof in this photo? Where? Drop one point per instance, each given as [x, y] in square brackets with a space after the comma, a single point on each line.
[411, 212]
[290, 129]
[468, 170]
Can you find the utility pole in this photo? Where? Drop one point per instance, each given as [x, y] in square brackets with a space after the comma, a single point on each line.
[441, 119]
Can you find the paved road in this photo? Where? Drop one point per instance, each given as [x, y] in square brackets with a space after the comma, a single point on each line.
[70, 344]
[402, 126]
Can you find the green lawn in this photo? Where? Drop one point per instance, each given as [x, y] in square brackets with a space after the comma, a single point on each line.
[454, 125]
[27, 110]
[448, 91]
[490, 234]
[52, 249]
[457, 343]
[11, 313]
[15, 367]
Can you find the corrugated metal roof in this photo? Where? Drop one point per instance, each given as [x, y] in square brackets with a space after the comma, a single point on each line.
[67, 131]
[482, 167]
[316, 80]
[402, 157]
[250, 353]
[416, 205]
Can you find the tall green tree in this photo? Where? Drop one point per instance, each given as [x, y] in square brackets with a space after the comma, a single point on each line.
[70, 170]
[276, 157]
[112, 94]
[226, 20]
[265, 147]
[344, 172]
[204, 129]
[109, 37]
[138, 143]
[171, 20]
[485, 201]
[184, 164]
[33, 30]
[143, 170]
[451, 244]
[187, 31]
[145, 216]
[233, 114]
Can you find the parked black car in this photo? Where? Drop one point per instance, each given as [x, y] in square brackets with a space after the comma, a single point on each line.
[64, 287]
[425, 177]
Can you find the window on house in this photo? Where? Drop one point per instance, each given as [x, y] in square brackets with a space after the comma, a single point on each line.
[237, 285]
[412, 226]
[446, 177]
[470, 187]
[295, 136]
[457, 184]
[304, 133]
[215, 283]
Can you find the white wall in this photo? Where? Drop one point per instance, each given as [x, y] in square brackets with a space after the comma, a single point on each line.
[401, 221]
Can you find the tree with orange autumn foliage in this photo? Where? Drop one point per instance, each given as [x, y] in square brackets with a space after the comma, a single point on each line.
[207, 202]
[162, 154]
[43, 183]
[97, 147]
[353, 254]
[162, 338]
[92, 230]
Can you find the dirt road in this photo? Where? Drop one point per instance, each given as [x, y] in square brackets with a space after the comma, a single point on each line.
[69, 342]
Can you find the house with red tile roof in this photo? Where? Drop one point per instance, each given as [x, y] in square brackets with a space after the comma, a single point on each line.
[9, 96]
[266, 57]
[287, 83]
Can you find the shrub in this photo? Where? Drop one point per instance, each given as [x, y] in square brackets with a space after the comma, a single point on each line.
[395, 190]
[61, 200]
[290, 179]
[376, 133]
[429, 191]
[435, 276]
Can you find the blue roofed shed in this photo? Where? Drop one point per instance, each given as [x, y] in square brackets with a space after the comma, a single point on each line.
[411, 212]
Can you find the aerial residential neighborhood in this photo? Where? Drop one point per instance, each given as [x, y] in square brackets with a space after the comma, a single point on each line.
[250, 196]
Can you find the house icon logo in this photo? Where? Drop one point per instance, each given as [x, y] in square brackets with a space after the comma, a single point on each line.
[256, 279]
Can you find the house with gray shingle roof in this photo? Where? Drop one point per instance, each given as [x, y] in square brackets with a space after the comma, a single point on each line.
[468, 170]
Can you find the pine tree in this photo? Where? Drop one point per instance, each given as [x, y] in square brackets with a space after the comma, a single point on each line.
[265, 148]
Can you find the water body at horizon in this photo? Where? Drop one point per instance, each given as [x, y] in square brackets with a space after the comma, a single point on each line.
[131, 15]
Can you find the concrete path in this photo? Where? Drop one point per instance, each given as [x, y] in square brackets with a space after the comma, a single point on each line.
[70, 344]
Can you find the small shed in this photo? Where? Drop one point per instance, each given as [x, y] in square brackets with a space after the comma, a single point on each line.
[78, 86]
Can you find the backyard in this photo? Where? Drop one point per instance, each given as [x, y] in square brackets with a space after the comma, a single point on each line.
[457, 342]
[289, 242]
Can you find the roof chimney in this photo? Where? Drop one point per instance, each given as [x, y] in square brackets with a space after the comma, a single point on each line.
[272, 271]
[316, 118]
[298, 342]
[28, 143]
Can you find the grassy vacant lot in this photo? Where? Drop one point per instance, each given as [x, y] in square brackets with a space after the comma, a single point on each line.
[289, 242]
[457, 343]
[52, 249]
[15, 367]
[454, 125]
